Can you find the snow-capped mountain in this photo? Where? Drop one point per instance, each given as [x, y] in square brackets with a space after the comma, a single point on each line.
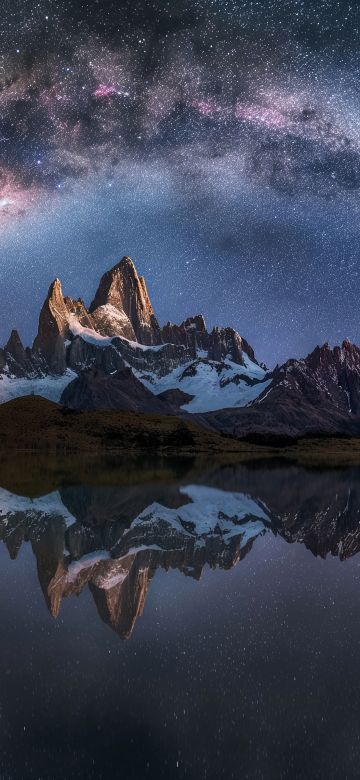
[195, 369]
[317, 395]
[115, 355]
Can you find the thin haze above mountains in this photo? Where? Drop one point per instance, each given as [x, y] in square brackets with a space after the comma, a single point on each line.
[216, 143]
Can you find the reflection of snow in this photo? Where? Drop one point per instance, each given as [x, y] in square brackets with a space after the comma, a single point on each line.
[211, 512]
[86, 562]
[43, 507]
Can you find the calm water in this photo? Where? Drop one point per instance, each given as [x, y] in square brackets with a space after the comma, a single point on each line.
[179, 621]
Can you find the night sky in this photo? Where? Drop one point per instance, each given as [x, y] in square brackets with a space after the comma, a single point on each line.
[215, 142]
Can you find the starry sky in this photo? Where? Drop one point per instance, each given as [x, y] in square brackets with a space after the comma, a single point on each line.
[216, 142]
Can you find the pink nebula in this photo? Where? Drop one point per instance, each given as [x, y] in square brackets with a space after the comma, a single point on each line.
[206, 107]
[104, 91]
[263, 115]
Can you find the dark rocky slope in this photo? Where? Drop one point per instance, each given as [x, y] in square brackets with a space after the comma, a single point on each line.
[121, 391]
[317, 395]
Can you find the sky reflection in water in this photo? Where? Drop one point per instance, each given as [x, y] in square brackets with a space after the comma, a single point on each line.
[242, 656]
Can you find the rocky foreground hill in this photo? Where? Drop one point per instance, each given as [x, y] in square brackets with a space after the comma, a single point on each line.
[114, 355]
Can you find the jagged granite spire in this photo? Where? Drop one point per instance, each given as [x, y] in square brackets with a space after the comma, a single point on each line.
[124, 290]
[52, 330]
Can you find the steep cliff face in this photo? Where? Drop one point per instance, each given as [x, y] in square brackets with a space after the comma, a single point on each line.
[226, 342]
[122, 289]
[53, 329]
[192, 333]
[326, 376]
[220, 343]
[79, 311]
[14, 347]
[82, 355]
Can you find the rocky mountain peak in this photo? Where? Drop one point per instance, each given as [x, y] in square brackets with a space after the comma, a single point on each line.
[325, 358]
[55, 295]
[52, 330]
[116, 331]
[126, 261]
[78, 309]
[122, 288]
[226, 341]
[197, 323]
[55, 291]
[15, 355]
[14, 343]
[350, 351]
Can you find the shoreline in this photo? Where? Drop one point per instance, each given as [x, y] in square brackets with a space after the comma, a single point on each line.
[33, 426]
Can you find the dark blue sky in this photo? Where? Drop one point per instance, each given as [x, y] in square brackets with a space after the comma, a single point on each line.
[216, 143]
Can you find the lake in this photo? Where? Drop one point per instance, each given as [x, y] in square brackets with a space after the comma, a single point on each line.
[179, 619]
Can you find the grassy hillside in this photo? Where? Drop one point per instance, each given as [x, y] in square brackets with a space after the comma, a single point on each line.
[33, 423]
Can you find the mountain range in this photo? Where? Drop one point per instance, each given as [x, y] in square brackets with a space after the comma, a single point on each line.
[114, 355]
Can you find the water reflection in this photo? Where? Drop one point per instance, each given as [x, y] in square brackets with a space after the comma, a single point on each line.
[113, 538]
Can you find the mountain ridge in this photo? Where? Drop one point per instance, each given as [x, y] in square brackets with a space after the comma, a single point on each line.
[115, 355]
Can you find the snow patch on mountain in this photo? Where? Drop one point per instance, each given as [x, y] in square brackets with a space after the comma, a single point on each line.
[88, 334]
[114, 315]
[93, 337]
[213, 385]
[50, 387]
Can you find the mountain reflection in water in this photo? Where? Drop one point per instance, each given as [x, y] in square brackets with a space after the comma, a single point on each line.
[113, 538]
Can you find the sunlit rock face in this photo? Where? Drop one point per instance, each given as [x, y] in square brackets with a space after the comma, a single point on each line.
[126, 292]
[53, 329]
